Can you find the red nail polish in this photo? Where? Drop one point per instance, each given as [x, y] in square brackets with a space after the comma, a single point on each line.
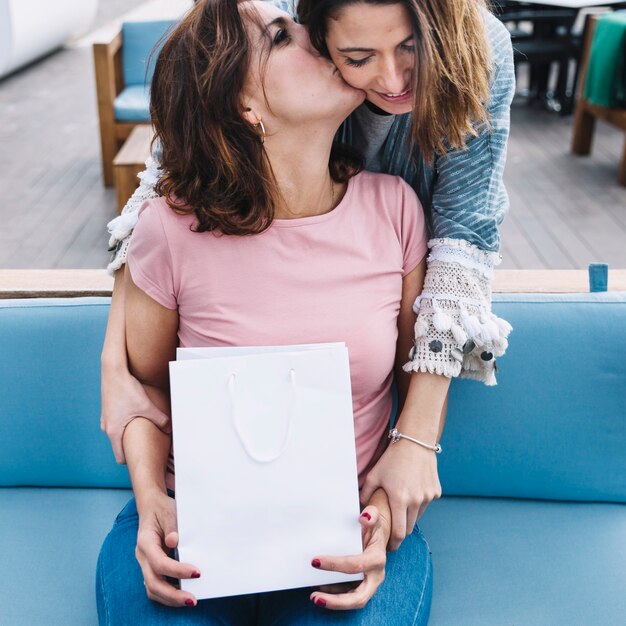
[320, 601]
[195, 574]
[189, 602]
[367, 516]
[316, 563]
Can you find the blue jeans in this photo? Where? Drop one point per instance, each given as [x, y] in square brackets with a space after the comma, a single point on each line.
[403, 598]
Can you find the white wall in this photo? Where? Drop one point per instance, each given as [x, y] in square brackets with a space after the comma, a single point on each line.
[31, 28]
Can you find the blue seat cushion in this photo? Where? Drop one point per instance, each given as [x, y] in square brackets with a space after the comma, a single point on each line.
[49, 542]
[50, 418]
[523, 562]
[141, 44]
[132, 104]
[496, 561]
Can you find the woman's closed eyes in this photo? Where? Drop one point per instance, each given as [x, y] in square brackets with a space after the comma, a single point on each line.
[281, 37]
[408, 47]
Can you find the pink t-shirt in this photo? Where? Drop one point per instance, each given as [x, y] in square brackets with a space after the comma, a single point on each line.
[332, 277]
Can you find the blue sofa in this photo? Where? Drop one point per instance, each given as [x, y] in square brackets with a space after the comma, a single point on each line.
[531, 529]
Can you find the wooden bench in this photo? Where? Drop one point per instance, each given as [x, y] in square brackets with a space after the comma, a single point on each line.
[129, 161]
[54, 283]
[80, 283]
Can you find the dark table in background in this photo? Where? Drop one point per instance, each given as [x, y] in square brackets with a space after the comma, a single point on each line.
[551, 41]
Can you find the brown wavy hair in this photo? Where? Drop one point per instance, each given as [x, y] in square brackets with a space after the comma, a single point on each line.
[452, 65]
[213, 161]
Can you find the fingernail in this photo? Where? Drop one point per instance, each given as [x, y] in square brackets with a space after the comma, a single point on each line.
[189, 602]
[195, 574]
[320, 601]
[366, 515]
[317, 563]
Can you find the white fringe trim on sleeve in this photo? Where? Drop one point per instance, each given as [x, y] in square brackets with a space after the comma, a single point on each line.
[456, 333]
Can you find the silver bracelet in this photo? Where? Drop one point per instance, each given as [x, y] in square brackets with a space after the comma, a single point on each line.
[395, 435]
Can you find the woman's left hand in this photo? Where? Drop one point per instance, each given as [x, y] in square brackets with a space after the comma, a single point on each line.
[407, 473]
[375, 533]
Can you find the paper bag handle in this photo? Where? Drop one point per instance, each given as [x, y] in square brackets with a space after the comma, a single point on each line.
[235, 417]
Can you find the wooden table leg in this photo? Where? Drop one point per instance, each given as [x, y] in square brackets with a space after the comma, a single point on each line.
[129, 161]
[621, 175]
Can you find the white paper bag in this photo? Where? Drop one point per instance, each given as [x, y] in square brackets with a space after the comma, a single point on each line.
[266, 474]
[208, 353]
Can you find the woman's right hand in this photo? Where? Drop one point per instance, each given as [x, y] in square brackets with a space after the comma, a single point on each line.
[158, 532]
[124, 398]
[375, 531]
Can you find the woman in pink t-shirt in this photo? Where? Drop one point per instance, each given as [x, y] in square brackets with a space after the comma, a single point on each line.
[266, 234]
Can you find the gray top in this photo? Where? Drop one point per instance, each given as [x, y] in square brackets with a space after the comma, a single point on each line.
[371, 133]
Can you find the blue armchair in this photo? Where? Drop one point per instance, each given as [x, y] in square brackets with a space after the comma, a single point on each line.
[124, 64]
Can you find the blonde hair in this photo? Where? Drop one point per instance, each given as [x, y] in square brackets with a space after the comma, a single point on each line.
[452, 66]
[461, 63]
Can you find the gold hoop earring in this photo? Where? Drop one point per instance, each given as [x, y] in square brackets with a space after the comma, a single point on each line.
[260, 123]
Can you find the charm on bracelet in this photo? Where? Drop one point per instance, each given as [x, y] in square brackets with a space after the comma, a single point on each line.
[395, 435]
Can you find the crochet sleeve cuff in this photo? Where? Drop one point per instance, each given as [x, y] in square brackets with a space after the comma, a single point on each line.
[456, 333]
[121, 228]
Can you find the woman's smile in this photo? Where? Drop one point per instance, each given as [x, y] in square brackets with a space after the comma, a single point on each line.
[397, 98]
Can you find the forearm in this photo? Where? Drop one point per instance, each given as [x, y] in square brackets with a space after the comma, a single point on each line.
[423, 414]
[146, 449]
[402, 378]
[412, 285]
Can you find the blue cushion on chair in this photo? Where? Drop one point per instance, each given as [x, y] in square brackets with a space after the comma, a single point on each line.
[50, 419]
[132, 104]
[49, 542]
[141, 44]
[537, 434]
[498, 562]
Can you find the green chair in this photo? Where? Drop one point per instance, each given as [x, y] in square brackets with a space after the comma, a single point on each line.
[603, 83]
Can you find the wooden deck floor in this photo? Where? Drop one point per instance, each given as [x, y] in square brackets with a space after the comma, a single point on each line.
[566, 211]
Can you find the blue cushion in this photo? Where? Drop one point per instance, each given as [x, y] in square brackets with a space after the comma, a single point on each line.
[555, 425]
[132, 104]
[141, 44]
[49, 542]
[50, 418]
[534, 435]
[499, 562]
